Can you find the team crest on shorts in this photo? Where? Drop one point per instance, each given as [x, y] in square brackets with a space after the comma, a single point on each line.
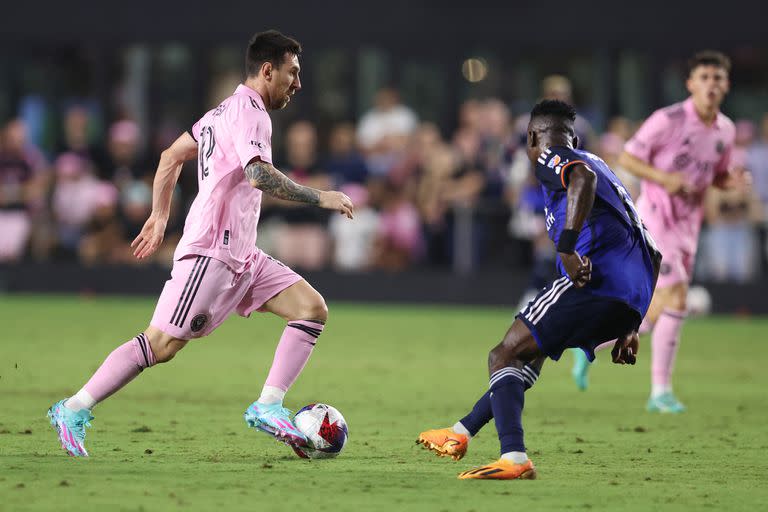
[198, 322]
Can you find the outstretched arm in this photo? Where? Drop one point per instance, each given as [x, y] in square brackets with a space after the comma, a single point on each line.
[673, 182]
[168, 169]
[582, 184]
[267, 178]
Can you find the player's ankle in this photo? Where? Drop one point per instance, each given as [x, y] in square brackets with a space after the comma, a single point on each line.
[459, 428]
[271, 395]
[516, 457]
[660, 389]
[81, 400]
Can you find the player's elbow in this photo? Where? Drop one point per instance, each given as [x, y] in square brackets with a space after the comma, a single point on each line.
[171, 157]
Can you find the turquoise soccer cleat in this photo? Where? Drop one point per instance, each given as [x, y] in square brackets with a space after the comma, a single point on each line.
[275, 420]
[70, 425]
[665, 403]
[580, 369]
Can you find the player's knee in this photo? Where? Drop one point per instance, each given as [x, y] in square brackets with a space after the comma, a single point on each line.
[678, 298]
[503, 355]
[165, 348]
[314, 309]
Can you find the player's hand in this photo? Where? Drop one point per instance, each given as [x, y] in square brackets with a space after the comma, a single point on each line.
[579, 269]
[625, 349]
[676, 184]
[332, 200]
[150, 238]
[740, 179]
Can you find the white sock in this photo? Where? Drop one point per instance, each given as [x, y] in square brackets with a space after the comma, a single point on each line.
[271, 395]
[459, 428]
[81, 400]
[516, 457]
[659, 389]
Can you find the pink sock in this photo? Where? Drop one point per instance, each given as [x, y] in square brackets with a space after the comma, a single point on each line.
[120, 367]
[293, 351]
[664, 343]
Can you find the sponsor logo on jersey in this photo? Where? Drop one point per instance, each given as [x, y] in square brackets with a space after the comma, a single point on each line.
[553, 161]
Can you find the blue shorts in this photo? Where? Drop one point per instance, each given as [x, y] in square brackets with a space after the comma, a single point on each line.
[562, 316]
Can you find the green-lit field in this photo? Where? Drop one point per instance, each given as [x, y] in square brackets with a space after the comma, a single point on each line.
[174, 439]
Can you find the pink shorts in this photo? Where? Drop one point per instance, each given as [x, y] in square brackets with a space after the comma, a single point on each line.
[677, 243]
[202, 292]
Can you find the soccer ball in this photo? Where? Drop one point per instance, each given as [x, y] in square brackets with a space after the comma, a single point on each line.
[325, 429]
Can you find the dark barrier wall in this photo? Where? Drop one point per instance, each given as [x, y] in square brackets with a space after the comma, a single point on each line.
[437, 287]
[438, 24]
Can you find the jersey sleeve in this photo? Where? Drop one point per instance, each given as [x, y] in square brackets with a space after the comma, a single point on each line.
[195, 130]
[553, 165]
[251, 132]
[653, 132]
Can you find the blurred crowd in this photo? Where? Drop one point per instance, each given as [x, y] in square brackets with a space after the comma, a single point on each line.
[423, 197]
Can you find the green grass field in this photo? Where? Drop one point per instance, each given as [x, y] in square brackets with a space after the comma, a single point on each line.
[174, 439]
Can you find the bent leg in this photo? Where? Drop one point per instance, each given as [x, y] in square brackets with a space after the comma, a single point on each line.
[306, 313]
[123, 364]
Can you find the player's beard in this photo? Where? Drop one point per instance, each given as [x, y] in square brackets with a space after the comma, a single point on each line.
[284, 101]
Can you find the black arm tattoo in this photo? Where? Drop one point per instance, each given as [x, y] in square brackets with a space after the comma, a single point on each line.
[267, 178]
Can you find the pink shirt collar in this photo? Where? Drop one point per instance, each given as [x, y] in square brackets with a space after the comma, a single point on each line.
[244, 89]
[690, 110]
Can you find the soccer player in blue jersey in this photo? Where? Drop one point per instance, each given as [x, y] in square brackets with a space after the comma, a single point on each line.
[608, 265]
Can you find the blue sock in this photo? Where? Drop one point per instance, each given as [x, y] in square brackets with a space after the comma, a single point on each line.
[480, 414]
[507, 397]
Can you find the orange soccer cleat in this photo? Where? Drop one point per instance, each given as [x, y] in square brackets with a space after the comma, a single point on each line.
[502, 469]
[444, 442]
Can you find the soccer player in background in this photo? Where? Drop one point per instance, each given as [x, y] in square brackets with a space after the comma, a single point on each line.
[608, 266]
[218, 270]
[678, 153]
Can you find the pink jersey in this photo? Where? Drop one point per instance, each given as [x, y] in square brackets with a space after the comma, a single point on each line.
[222, 220]
[676, 139]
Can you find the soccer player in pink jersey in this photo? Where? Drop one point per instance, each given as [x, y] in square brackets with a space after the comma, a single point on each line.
[218, 270]
[678, 153]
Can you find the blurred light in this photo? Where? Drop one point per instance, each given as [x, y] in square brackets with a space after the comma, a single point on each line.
[474, 69]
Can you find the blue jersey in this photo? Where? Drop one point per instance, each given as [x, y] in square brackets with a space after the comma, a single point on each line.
[613, 236]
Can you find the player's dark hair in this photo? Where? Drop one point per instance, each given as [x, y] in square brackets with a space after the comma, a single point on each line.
[709, 58]
[554, 108]
[270, 46]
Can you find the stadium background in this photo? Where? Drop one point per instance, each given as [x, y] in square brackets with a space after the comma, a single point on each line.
[101, 90]
[451, 220]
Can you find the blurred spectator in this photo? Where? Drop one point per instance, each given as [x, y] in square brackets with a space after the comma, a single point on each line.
[125, 162]
[344, 163]
[730, 240]
[302, 238]
[558, 87]
[399, 240]
[79, 199]
[23, 178]
[77, 140]
[446, 184]
[498, 150]
[354, 241]
[383, 131]
[757, 163]
[611, 144]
